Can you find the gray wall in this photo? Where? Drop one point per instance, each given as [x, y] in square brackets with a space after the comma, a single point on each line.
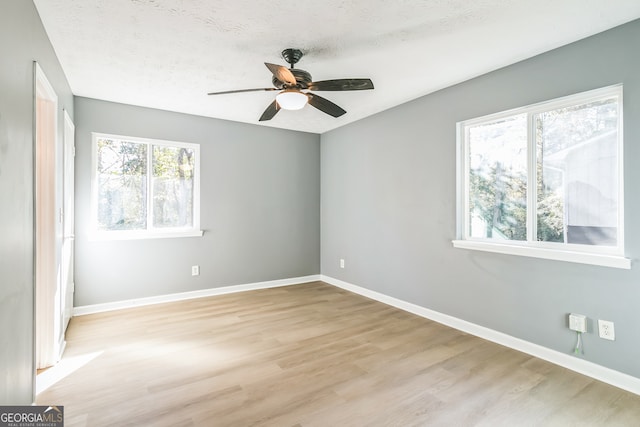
[22, 40]
[388, 208]
[260, 208]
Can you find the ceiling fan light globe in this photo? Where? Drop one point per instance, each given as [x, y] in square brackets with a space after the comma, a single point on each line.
[291, 100]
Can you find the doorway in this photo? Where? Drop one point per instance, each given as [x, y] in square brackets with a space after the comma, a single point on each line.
[49, 298]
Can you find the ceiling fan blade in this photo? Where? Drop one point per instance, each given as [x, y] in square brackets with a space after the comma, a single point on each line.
[282, 73]
[242, 90]
[325, 105]
[271, 111]
[342, 84]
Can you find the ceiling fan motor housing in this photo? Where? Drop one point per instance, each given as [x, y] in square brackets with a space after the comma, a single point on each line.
[303, 78]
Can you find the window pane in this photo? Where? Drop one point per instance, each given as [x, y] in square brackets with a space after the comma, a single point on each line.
[498, 179]
[122, 185]
[173, 179]
[577, 181]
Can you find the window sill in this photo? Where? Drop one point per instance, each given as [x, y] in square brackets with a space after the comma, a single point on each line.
[614, 261]
[141, 235]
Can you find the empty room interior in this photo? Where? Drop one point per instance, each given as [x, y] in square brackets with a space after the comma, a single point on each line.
[348, 213]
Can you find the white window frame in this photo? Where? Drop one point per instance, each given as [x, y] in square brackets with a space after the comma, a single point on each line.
[150, 232]
[585, 254]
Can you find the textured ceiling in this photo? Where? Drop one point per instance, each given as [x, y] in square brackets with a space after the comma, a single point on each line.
[168, 54]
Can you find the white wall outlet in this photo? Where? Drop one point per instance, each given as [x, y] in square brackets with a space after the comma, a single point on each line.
[578, 322]
[341, 263]
[195, 270]
[606, 330]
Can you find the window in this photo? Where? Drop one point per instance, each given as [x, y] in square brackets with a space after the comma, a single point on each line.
[145, 188]
[545, 180]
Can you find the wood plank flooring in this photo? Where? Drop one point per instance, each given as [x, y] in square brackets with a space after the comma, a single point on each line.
[312, 355]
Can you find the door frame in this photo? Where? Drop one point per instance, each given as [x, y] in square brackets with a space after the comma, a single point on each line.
[67, 257]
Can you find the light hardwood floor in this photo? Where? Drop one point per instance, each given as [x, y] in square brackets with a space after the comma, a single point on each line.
[312, 355]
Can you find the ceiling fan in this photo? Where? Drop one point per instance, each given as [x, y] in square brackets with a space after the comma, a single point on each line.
[294, 86]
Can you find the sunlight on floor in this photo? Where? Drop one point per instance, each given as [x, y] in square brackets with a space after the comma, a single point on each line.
[64, 368]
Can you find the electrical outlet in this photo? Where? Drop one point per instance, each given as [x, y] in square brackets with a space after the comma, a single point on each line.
[578, 322]
[606, 330]
[195, 270]
[341, 263]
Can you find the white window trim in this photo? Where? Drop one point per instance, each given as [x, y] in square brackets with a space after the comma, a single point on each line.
[594, 255]
[149, 233]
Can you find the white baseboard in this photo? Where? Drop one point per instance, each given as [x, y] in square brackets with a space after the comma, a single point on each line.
[590, 369]
[138, 302]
